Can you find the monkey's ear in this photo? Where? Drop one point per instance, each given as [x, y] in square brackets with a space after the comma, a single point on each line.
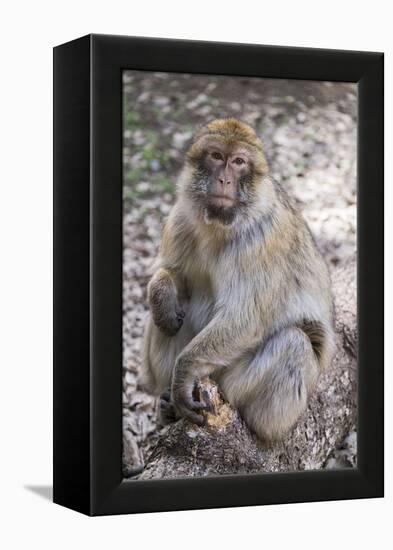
[261, 165]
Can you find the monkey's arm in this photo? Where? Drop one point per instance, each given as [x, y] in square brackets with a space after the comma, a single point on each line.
[164, 291]
[230, 332]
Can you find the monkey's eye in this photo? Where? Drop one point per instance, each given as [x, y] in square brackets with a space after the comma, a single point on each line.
[239, 161]
[217, 156]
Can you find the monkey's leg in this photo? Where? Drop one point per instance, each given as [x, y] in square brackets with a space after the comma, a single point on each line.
[166, 311]
[166, 412]
[271, 391]
[159, 357]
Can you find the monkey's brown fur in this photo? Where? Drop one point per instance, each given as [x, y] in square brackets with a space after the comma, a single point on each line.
[240, 292]
[230, 131]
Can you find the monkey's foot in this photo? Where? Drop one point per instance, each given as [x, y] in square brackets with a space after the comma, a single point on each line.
[166, 410]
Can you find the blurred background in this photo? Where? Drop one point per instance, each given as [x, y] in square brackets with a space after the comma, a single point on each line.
[309, 133]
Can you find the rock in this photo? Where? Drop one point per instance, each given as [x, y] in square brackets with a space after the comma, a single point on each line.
[345, 455]
[132, 455]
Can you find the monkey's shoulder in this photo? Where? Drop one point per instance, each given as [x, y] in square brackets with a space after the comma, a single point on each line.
[283, 196]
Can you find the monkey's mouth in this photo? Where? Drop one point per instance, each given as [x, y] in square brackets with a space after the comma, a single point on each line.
[221, 209]
[221, 201]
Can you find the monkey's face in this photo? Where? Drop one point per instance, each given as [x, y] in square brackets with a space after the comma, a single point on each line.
[224, 181]
[227, 165]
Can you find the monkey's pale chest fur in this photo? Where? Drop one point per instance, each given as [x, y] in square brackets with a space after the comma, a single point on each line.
[263, 285]
[201, 269]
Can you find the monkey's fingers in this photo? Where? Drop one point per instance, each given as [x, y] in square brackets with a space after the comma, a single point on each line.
[188, 408]
[192, 416]
[166, 405]
[166, 395]
[199, 406]
[170, 325]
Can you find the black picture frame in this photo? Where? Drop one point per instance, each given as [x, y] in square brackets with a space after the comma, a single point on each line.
[88, 274]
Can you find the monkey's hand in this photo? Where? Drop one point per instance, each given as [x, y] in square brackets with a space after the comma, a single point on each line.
[168, 318]
[165, 309]
[184, 395]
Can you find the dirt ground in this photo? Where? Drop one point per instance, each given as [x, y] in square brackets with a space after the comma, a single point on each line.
[309, 133]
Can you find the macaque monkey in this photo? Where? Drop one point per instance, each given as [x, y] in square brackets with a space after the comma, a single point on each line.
[240, 291]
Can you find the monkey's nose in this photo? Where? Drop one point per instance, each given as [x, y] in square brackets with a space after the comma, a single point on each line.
[223, 181]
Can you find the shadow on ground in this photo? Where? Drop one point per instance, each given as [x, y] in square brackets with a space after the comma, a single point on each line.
[44, 491]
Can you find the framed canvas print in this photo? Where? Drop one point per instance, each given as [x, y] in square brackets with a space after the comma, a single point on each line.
[218, 275]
